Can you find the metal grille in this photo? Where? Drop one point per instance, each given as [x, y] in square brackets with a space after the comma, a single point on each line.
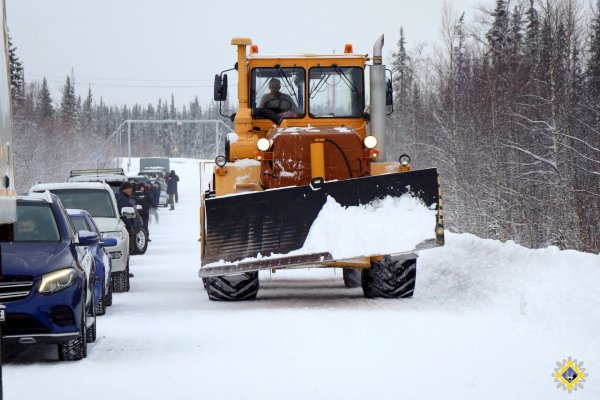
[13, 288]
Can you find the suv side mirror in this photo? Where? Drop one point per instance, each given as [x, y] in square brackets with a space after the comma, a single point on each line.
[220, 88]
[108, 242]
[87, 238]
[128, 212]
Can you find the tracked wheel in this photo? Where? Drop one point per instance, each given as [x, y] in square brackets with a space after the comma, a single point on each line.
[352, 278]
[390, 279]
[232, 288]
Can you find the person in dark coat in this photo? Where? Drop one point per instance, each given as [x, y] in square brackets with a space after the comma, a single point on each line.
[124, 199]
[154, 190]
[172, 180]
[145, 200]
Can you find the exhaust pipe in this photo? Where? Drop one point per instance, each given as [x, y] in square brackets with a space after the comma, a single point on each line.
[378, 88]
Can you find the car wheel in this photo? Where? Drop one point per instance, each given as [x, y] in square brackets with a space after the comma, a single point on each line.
[141, 241]
[75, 349]
[91, 313]
[108, 300]
[121, 281]
[101, 306]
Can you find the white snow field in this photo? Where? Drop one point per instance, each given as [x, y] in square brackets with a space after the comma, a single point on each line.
[488, 320]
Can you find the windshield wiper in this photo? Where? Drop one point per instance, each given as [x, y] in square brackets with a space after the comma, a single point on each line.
[345, 78]
[283, 75]
[316, 88]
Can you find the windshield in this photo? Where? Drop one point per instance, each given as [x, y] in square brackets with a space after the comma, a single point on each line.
[279, 90]
[80, 223]
[336, 92]
[36, 223]
[96, 202]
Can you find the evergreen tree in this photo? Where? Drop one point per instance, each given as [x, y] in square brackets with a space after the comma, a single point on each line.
[400, 69]
[499, 34]
[44, 102]
[68, 105]
[87, 111]
[17, 75]
[172, 111]
[532, 32]
[593, 65]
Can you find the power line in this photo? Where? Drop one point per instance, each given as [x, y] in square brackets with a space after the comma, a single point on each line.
[40, 76]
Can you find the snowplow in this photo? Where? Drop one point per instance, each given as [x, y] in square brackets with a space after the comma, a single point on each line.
[303, 180]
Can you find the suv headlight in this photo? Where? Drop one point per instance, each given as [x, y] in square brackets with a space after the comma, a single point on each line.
[57, 280]
[115, 234]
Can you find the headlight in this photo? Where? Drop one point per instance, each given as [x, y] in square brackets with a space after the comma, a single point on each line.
[404, 159]
[57, 280]
[220, 161]
[116, 235]
[263, 144]
[370, 142]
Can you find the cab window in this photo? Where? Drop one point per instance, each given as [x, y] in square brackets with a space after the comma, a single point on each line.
[278, 90]
[336, 92]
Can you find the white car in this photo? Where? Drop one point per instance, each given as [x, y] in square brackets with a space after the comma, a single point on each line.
[99, 200]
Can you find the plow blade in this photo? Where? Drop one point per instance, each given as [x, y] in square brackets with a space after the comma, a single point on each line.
[277, 221]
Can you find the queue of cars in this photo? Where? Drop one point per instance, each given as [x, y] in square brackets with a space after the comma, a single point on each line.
[68, 253]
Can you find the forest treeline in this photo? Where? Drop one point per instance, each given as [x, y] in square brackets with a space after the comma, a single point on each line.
[54, 136]
[506, 107]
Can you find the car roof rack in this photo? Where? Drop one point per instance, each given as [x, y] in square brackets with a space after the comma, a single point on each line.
[97, 172]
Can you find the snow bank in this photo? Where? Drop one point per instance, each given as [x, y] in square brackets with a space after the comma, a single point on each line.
[391, 225]
[480, 273]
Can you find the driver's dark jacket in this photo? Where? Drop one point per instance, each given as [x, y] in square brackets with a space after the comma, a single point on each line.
[125, 201]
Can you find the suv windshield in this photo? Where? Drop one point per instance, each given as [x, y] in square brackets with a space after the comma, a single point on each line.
[80, 223]
[280, 90]
[336, 92]
[36, 223]
[97, 202]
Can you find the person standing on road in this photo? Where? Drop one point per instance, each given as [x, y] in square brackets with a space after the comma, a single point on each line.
[145, 200]
[124, 199]
[172, 180]
[154, 190]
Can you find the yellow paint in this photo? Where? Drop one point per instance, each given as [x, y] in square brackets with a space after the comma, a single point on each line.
[202, 233]
[237, 179]
[317, 160]
[384, 168]
[243, 117]
[362, 262]
[245, 147]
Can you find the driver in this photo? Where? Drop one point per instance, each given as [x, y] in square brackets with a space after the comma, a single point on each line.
[281, 103]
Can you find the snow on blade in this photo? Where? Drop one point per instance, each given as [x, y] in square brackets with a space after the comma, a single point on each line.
[391, 225]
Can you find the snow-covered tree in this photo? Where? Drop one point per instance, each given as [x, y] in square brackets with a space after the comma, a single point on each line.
[68, 104]
[17, 75]
[44, 102]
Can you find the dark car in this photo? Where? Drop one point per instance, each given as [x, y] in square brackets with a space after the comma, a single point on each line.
[47, 279]
[82, 221]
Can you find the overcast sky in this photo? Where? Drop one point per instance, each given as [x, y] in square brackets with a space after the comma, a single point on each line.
[139, 50]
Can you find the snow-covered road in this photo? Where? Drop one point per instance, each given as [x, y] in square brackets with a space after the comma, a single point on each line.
[489, 320]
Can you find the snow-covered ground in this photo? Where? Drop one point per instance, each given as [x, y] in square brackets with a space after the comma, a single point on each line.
[489, 320]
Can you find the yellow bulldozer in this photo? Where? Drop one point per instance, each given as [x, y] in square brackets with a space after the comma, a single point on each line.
[305, 142]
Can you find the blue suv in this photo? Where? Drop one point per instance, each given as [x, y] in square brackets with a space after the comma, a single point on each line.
[47, 279]
[82, 221]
